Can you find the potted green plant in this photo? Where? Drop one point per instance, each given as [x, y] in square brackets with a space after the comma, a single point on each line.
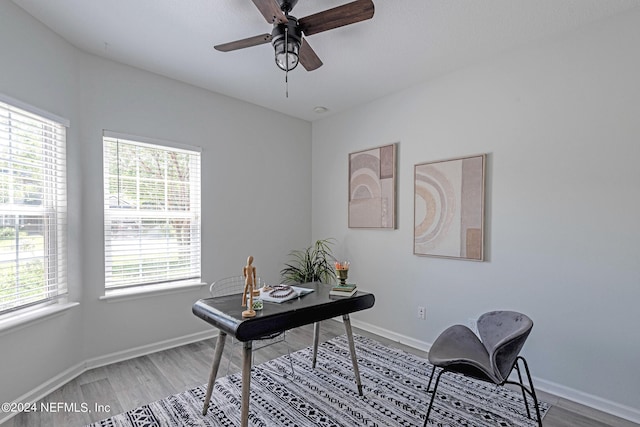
[313, 264]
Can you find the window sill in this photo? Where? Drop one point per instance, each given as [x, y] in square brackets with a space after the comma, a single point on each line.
[13, 322]
[150, 290]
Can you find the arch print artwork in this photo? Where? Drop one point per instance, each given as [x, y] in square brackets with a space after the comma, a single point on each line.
[372, 188]
[449, 208]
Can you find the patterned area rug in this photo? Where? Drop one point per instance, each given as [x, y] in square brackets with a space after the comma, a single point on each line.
[394, 384]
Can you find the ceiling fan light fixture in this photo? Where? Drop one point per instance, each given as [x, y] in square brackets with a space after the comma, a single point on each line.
[286, 39]
[287, 55]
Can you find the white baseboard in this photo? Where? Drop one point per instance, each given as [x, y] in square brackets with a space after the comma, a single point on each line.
[558, 390]
[71, 373]
[586, 399]
[394, 336]
[119, 356]
[46, 388]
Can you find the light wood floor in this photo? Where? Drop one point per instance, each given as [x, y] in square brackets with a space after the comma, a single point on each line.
[129, 384]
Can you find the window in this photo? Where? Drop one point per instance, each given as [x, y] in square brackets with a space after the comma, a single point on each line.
[151, 212]
[32, 206]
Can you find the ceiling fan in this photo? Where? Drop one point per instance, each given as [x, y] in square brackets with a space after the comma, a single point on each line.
[286, 37]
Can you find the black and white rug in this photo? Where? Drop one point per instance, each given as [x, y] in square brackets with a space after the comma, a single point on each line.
[394, 384]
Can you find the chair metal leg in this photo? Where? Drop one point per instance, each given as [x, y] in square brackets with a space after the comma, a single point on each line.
[316, 338]
[524, 396]
[290, 359]
[433, 395]
[533, 390]
[284, 374]
[433, 371]
[231, 356]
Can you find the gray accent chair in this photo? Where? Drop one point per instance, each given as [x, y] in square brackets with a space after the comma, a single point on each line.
[490, 358]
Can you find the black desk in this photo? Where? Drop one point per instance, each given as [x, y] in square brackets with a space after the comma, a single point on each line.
[225, 313]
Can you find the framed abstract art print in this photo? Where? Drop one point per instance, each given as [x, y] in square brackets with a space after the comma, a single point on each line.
[372, 188]
[449, 208]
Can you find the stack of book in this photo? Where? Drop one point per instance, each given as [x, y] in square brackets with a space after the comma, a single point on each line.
[343, 290]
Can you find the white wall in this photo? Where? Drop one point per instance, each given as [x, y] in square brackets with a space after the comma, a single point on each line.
[255, 199]
[559, 120]
[40, 70]
[253, 175]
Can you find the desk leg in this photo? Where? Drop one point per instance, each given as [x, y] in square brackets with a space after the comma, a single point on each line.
[222, 337]
[316, 337]
[352, 349]
[246, 382]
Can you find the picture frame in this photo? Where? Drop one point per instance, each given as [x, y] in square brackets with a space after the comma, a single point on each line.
[449, 208]
[372, 187]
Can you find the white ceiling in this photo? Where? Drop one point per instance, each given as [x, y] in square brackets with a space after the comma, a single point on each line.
[406, 42]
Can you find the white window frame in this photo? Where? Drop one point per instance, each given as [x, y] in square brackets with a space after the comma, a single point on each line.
[19, 123]
[114, 216]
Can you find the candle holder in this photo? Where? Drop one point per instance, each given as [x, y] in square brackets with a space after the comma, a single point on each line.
[342, 271]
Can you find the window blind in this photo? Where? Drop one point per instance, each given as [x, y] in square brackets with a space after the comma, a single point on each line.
[33, 208]
[151, 213]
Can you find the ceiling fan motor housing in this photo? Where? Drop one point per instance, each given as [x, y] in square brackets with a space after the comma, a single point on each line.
[286, 39]
[287, 5]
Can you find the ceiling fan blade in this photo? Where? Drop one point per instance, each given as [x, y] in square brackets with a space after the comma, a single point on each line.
[308, 57]
[241, 44]
[340, 16]
[271, 11]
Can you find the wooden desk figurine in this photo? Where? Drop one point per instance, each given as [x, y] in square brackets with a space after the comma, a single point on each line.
[249, 273]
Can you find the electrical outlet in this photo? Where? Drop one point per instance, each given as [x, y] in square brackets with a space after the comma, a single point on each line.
[422, 313]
